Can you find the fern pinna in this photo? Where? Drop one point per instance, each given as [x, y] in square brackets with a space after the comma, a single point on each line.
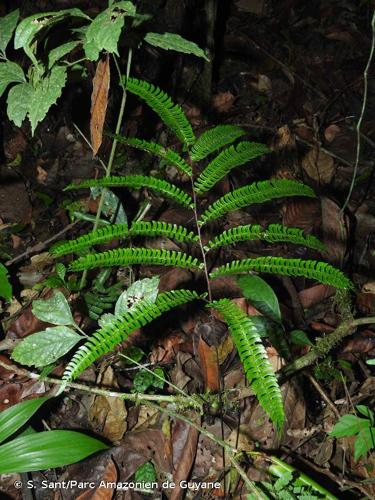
[219, 149]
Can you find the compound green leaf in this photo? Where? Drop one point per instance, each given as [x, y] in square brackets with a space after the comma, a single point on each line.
[61, 51]
[16, 416]
[10, 72]
[348, 425]
[364, 443]
[5, 286]
[261, 295]
[55, 310]
[43, 348]
[172, 41]
[365, 410]
[46, 94]
[146, 289]
[7, 26]
[18, 102]
[46, 450]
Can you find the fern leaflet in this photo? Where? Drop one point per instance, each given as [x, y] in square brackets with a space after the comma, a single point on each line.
[254, 359]
[131, 256]
[319, 271]
[258, 192]
[232, 157]
[171, 113]
[168, 155]
[108, 337]
[138, 182]
[214, 139]
[117, 231]
[272, 234]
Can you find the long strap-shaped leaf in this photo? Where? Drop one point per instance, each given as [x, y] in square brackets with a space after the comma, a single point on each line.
[171, 113]
[108, 337]
[131, 256]
[273, 233]
[258, 192]
[254, 359]
[214, 139]
[170, 156]
[138, 182]
[320, 271]
[117, 231]
[232, 157]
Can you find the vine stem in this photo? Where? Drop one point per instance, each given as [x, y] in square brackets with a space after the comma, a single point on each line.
[359, 123]
[200, 241]
[109, 166]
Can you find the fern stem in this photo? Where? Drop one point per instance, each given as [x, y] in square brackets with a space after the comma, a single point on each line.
[111, 156]
[200, 241]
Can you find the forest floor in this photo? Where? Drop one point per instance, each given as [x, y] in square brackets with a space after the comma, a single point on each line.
[292, 77]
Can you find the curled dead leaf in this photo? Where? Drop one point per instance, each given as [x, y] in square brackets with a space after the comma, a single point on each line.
[99, 102]
[319, 165]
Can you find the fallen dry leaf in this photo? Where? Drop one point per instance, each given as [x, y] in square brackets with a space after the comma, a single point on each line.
[223, 101]
[110, 476]
[335, 231]
[99, 102]
[319, 166]
[210, 365]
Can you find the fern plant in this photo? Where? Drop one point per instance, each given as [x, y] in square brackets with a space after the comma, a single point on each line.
[242, 328]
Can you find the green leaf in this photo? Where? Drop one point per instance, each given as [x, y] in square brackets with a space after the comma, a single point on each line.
[43, 348]
[132, 355]
[145, 473]
[60, 270]
[7, 26]
[365, 410]
[16, 416]
[348, 425]
[55, 310]
[146, 289]
[105, 30]
[172, 41]
[111, 205]
[5, 286]
[364, 443]
[261, 296]
[10, 72]
[145, 379]
[46, 450]
[371, 362]
[61, 51]
[46, 94]
[19, 99]
[299, 337]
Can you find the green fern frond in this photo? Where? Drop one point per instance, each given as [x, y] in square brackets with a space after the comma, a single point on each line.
[258, 192]
[171, 113]
[168, 155]
[272, 234]
[131, 256]
[107, 338]
[254, 359]
[138, 182]
[232, 157]
[117, 231]
[319, 271]
[214, 139]
[163, 229]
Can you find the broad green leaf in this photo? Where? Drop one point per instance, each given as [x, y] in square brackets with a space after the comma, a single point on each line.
[132, 354]
[5, 286]
[61, 51]
[365, 410]
[172, 41]
[145, 379]
[43, 348]
[16, 416]
[364, 443]
[106, 319]
[7, 26]
[46, 94]
[146, 289]
[30, 26]
[348, 425]
[46, 450]
[261, 296]
[145, 473]
[54, 310]
[18, 101]
[371, 362]
[299, 337]
[111, 205]
[105, 30]
[10, 72]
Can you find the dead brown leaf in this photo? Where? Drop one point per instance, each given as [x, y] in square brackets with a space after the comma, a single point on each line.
[99, 102]
[110, 476]
[223, 101]
[335, 231]
[319, 166]
[210, 365]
